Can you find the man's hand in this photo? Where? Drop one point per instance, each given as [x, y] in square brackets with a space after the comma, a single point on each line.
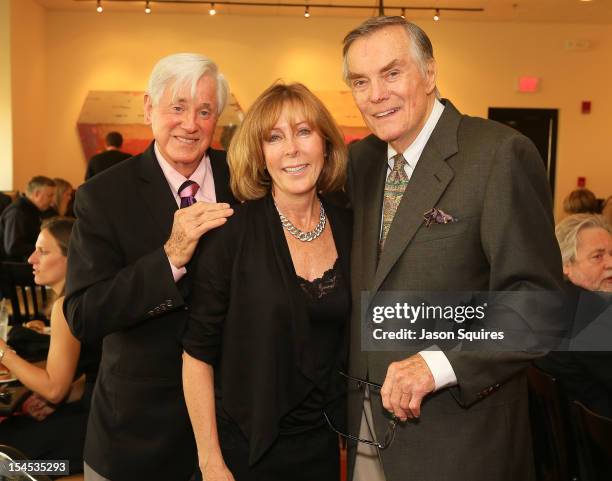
[406, 384]
[189, 225]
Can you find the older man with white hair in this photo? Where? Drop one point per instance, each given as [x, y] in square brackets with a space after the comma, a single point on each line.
[138, 226]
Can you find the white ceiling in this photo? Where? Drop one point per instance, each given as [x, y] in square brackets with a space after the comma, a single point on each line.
[519, 11]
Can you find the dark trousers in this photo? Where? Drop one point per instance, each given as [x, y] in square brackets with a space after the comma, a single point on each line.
[309, 456]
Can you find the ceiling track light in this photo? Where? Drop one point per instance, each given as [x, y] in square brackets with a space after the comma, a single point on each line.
[147, 7]
[403, 13]
[99, 8]
[436, 16]
[307, 12]
[212, 10]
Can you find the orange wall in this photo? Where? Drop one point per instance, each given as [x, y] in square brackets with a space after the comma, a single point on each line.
[6, 128]
[479, 64]
[31, 131]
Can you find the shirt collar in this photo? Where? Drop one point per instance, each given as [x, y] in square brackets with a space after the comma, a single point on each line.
[175, 179]
[413, 152]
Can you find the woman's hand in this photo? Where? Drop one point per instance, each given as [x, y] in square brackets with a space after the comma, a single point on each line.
[38, 326]
[37, 407]
[216, 471]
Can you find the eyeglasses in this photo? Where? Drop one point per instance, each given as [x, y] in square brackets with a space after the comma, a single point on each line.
[390, 433]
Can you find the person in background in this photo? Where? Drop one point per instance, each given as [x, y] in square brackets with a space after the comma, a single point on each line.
[581, 201]
[64, 197]
[111, 156]
[586, 247]
[606, 210]
[269, 315]
[5, 201]
[138, 225]
[20, 221]
[55, 428]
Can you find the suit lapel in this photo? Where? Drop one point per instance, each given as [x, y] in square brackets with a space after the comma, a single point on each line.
[427, 184]
[221, 176]
[155, 193]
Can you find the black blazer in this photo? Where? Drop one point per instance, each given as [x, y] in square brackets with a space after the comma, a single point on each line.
[248, 319]
[103, 161]
[120, 288]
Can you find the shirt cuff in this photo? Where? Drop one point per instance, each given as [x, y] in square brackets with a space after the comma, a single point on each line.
[176, 272]
[440, 367]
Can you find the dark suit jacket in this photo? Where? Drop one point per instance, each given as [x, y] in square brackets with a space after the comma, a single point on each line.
[103, 161]
[19, 229]
[120, 287]
[249, 320]
[586, 376]
[492, 179]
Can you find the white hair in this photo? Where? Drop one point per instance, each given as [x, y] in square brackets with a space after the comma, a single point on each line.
[568, 229]
[181, 69]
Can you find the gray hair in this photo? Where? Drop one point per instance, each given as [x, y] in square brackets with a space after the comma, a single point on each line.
[182, 69]
[568, 229]
[422, 50]
[38, 182]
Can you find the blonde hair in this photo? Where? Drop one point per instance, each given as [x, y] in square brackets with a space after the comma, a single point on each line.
[249, 179]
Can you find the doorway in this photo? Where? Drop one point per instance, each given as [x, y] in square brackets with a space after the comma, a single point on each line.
[540, 125]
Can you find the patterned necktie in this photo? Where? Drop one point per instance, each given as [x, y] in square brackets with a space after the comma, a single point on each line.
[187, 193]
[396, 183]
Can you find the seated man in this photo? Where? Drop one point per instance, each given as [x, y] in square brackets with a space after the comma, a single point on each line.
[20, 221]
[586, 248]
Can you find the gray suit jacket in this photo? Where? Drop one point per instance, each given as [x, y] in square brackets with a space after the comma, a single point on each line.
[492, 179]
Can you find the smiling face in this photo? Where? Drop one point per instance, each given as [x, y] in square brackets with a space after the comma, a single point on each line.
[592, 267]
[48, 262]
[183, 125]
[294, 154]
[392, 94]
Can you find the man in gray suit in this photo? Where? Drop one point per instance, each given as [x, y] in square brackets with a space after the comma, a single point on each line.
[463, 415]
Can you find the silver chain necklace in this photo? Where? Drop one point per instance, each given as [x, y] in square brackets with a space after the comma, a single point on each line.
[299, 234]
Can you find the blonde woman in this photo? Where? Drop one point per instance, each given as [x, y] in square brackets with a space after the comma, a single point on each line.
[267, 327]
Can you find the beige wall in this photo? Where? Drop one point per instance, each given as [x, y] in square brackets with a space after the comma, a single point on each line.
[6, 130]
[31, 132]
[479, 64]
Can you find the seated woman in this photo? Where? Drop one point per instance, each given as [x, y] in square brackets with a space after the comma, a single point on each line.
[268, 324]
[60, 402]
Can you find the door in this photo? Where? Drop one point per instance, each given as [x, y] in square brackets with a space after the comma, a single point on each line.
[540, 125]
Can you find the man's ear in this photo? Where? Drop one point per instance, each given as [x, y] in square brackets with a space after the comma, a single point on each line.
[566, 269]
[148, 108]
[431, 76]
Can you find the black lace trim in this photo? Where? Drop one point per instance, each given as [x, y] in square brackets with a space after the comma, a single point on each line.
[320, 287]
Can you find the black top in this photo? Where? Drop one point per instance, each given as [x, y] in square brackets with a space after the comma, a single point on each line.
[250, 321]
[103, 161]
[327, 301]
[19, 228]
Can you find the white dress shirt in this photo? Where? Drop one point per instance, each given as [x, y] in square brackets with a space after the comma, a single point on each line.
[202, 176]
[440, 367]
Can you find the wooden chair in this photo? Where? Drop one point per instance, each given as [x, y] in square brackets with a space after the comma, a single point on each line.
[594, 433]
[27, 299]
[552, 436]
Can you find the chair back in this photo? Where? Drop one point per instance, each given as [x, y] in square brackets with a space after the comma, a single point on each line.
[594, 434]
[27, 299]
[552, 436]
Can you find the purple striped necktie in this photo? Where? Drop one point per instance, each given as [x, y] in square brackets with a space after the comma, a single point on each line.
[187, 193]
